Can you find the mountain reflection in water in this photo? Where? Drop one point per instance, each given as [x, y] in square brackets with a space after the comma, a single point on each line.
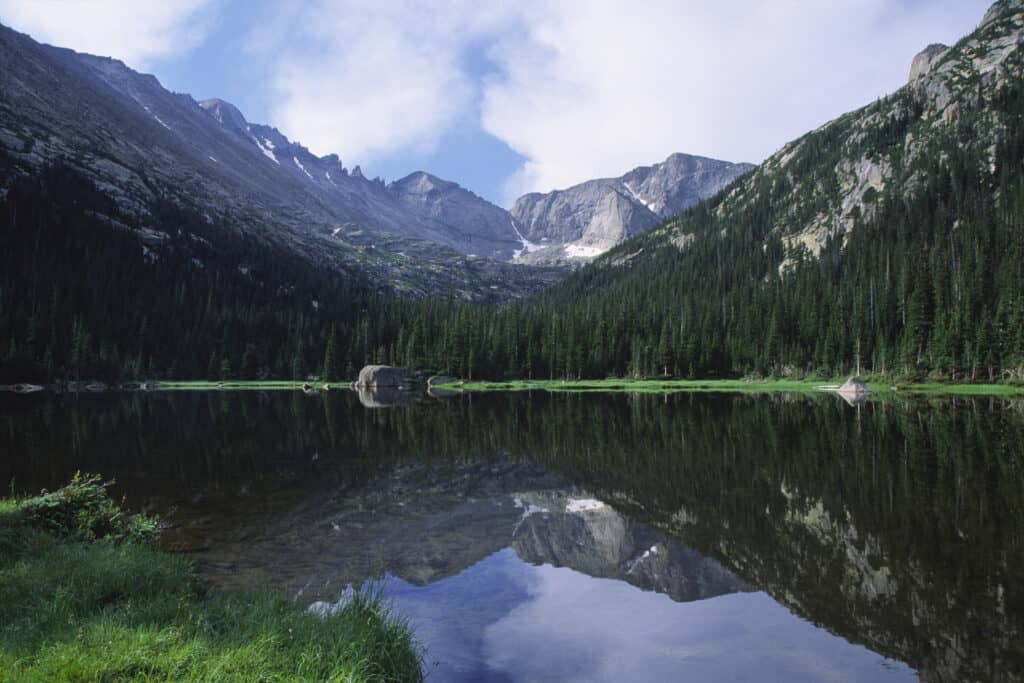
[594, 537]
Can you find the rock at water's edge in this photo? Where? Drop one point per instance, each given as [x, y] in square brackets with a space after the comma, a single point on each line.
[854, 387]
[438, 380]
[383, 376]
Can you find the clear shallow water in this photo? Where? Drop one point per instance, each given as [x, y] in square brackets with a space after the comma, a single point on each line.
[590, 537]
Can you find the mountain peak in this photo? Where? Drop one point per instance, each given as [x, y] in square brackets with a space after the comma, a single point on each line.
[588, 218]
[421, 182]
[226, 113]
[999, 9]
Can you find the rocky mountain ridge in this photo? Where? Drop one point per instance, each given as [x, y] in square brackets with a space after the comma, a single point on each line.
[143, 144]
[586, 220]
[139, 142]
[887, 144]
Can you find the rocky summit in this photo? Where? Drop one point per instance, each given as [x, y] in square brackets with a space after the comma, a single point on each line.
[586, 220]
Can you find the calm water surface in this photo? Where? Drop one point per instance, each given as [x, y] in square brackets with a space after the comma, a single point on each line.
[590, 537]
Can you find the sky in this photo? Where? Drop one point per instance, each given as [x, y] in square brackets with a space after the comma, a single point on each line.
[513, 97]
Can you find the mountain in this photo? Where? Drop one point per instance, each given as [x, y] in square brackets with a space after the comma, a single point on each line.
[185, 240]
[474, 224]
[141, 143]
[888, 241]
[586, 220]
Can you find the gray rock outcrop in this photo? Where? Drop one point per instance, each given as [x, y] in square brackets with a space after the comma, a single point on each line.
[479, 227]
[999, 8]
[375, 376]
[854, 387]
[925, 59]
[585, 220]
[438, 380]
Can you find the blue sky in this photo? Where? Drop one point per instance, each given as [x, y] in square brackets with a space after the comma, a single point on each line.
[506, 98]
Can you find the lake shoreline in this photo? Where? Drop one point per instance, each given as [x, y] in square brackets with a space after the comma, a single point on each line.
[644, 386]
[86, 595]
[672, 386]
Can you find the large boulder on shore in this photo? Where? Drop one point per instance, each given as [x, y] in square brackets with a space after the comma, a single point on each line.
[854, 387]
[383, 376]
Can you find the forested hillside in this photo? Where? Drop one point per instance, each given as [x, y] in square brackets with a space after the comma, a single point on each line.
[891, 239]
[82, 296]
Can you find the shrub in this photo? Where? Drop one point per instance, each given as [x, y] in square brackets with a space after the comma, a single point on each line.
[83, 510]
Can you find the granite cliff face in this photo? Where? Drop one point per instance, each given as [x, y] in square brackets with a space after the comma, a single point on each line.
[586, 220]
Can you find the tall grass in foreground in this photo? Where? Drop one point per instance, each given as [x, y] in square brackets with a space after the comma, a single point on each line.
[85, 597]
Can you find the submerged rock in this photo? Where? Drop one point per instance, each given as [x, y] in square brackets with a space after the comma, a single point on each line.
[383, 376]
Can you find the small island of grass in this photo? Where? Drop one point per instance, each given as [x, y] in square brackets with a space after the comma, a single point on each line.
[85, 596]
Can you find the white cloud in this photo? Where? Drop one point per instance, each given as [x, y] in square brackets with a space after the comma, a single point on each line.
[600, 87]
[368, 79]
[136, 32]
[585, 88]
[576, 628]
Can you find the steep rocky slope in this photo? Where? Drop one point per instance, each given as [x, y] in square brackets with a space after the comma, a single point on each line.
[142, 144]
[474, 225]
[825, 183]
[586, 220]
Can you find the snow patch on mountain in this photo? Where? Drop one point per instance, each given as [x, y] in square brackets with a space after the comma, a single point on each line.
[580, 251]
[302, 168]
[267, 149]
[528, 246]
[632, 192]
[157, 118]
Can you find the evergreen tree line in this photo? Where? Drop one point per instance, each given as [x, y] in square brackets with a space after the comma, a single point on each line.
[930, 282]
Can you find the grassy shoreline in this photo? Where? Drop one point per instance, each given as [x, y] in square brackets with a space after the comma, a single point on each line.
[649, 386]
[229, 385]
[640, 386]
[85, 595]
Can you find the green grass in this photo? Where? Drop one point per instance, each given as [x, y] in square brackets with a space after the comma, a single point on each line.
[239, 385]
[653, 386]
[940, 389]
[77, 606]
[242, 385]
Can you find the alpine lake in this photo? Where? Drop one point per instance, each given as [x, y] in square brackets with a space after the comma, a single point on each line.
[537, 536]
